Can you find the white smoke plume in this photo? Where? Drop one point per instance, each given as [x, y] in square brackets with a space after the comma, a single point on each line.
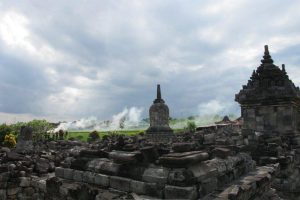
[129, 118]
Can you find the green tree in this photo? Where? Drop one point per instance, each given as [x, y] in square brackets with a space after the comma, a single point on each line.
[191, 126]
[16, 128]
[40, 128]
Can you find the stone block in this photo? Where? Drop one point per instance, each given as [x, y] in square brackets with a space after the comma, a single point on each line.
[34, 182]
[153, 189]
[88, 177]
[132, 171]
[150, 154]
[208, 185]
[4, 176]
[42, 185]
[29, 191]
[25, 181]
[110, 168]
[183, 146]
[209, 138]
[174, 192]
[221, 152]
[80, 163]
[2, 194]
[68, 173]
[63, 191]
[183, 159]
[95, 164]
[3, 185]
[102, 180]
[42, 166]
[78, 176]
[12, 191]
[138, 187]
[120, 183]
[156, 175]
[59, 172]
[125, 157]
[181, 177]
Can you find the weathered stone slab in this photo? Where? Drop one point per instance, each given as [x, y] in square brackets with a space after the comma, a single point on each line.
[221, 152]
[125, 157]
[183, 146]
[78, 176]
[143, 188]
[80, 163]
[209, 138]
[156, 175]
[138, 187]
[208, 185]
[68, 173]
[42, 165]
[202, 171]
[109, 168]
[88, 177]
[160, 138]
[186, 158]
[101, 179]
[150, 154]
[59, 172]
[25, 181]
[13, 156]
[93, 153]
[120, 183]
[181, 177]
[174, 192]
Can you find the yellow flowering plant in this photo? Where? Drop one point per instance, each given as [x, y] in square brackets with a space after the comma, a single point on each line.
[10, 140]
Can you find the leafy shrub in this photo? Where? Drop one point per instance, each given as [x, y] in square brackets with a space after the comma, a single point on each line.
[93, 136]
[10, 140]
[105, 137]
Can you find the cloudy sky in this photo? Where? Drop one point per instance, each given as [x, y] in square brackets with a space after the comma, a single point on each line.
[66, 59]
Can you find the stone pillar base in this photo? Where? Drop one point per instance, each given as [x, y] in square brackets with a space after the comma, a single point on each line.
[160, 137]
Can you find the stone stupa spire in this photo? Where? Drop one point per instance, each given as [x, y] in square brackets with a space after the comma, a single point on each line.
[267, 59]
[158, 95]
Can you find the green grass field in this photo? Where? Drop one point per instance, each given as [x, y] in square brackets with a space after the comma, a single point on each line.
[83, 135]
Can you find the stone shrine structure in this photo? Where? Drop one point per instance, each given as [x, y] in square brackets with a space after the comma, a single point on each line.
[270, 101]
[25, 140]
[159, 118]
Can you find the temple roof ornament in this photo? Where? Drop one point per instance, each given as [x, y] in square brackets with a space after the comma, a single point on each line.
[268, 84]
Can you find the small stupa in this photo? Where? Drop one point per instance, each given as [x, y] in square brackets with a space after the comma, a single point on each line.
[159, 117]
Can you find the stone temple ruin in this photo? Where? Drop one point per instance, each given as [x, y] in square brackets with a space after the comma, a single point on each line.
[256, 158]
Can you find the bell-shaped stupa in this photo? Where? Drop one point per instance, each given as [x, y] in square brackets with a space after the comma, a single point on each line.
[159, 116]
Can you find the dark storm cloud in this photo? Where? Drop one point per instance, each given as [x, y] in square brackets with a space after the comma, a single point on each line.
[72, 59]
